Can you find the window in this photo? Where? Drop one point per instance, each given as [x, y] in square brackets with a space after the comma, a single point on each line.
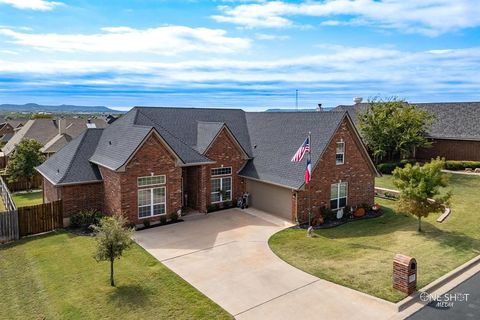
[338, 195]
[340, 155]
[221, 189]
[221, 171]
[150, 181]
[151, 201]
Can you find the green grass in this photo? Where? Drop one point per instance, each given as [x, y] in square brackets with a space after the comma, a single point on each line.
[24, 199]
[359, 254]
[55, 277]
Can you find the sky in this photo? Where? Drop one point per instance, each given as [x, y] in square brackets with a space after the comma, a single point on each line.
[238, 54]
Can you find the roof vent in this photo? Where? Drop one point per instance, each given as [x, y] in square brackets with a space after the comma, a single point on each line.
[357, 100]
[110, 142]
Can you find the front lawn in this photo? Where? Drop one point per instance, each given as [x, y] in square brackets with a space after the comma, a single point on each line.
[25, 199]
[359, 254]
[55, 277]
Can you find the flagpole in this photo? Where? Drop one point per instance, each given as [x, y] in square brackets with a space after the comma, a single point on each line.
[309, 183]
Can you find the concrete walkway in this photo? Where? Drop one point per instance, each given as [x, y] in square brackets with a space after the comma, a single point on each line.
[226, 256]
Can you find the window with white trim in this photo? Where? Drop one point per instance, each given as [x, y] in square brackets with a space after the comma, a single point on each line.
[338, 195]
[340, 154]
[151, 196]
[221, 171]
[150, 180]
[221, 189]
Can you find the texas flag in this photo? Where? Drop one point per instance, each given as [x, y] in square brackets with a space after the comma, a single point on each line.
[308, 172]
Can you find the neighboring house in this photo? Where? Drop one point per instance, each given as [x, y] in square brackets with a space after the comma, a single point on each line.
[52, 134]
[155, 161]
[8, 129]
[455, 132]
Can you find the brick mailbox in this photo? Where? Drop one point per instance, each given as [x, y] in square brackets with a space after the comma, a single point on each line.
[404, 273]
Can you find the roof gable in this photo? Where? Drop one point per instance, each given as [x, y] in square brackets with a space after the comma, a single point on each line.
[206, 133]
[71, 164]
[274, 144]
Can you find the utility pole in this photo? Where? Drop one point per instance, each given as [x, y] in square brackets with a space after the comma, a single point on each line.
[296, 99]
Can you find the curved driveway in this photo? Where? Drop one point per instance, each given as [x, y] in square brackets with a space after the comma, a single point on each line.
[226, 256]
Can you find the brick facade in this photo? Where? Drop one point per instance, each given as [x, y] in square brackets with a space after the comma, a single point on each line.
[118, 192]
[226, 153]
[121, 187]
[356, 171]
[450, 150]
[75, 197]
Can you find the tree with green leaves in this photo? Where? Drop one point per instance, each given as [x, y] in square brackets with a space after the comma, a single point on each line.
[113, 237]
[22, 163]
[420, 189]
[392, 128]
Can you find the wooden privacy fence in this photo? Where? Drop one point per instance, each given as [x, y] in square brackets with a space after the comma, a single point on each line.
[22, 185]
[40, 218]
[9, 226]
[8, 219]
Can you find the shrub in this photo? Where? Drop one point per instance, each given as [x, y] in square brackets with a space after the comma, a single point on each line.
[86, 218]
[173, 216]
[163, 219]
[461, 165]
[146, 223]
[328, 214]
[388, 167]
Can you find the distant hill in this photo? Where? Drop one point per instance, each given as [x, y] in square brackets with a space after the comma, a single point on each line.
[33, 107]
[295, 110]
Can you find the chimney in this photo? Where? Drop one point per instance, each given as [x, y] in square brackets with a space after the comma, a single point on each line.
[319, 108]
[62, 124]
[357, 100]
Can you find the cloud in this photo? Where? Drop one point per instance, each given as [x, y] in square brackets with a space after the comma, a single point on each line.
[39, 5]
[271, 37]
[428, 17]
[166, 40]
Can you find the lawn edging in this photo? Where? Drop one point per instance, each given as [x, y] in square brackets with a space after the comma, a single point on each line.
[382, 192]
[437, 284]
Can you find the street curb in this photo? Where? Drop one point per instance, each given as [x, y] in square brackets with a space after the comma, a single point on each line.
[430, 288]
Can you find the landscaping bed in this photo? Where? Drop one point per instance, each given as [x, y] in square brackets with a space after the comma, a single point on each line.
[54, 276]
[338, 222]
[359, 255]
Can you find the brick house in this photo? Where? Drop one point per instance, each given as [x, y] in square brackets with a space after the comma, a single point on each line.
[455, 132]
[156, 161]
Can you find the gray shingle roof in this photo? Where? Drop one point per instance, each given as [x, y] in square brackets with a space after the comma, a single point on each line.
[275, 136]
[206, 132]
[453, 120]
[270, 139]
[44, 130]
[71, 164]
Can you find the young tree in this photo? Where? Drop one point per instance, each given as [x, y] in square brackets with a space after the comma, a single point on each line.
[392, 128]
[23, 161]
[112, 239]
[418, 186]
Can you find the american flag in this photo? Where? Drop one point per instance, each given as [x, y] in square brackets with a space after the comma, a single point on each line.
[304, 148]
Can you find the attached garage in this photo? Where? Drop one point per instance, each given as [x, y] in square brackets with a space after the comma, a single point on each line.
[270, 198]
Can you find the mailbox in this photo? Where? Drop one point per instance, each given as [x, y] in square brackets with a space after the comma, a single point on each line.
[404, 273]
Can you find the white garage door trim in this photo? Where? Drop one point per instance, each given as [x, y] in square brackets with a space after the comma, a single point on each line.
[270, 198]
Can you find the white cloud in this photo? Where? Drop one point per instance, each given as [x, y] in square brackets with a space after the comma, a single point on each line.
[166, 40]
[335, 66]
[271, 37]
[40, 5]
[429, 17]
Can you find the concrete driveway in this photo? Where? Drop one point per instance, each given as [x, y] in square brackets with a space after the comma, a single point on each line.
[226, 256]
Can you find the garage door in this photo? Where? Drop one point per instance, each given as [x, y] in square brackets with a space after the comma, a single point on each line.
[270, 198]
